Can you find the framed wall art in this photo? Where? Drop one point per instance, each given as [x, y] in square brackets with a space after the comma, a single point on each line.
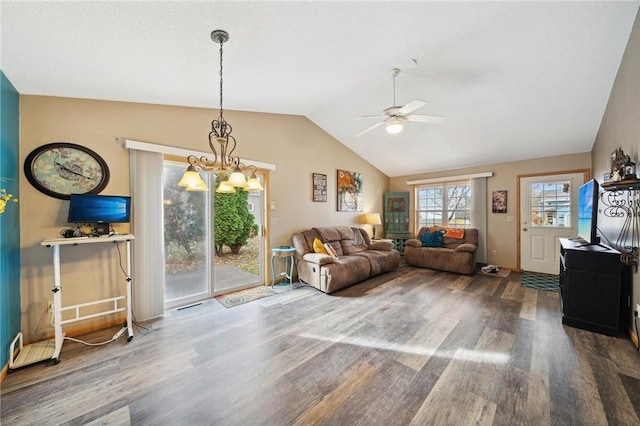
[319, 187]
[349, 190]
[499, 201]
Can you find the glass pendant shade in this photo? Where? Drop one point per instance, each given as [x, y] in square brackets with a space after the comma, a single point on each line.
[192, 180]
[253, 184]
[237, 179]
[225, 188]
[198, 187]
[394, 126]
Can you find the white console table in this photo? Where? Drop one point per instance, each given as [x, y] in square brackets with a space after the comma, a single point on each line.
[51, 349]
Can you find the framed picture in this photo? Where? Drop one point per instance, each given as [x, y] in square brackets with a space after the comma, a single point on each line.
[319, 187]
[396, 204]
[349, 190]
[499, 201]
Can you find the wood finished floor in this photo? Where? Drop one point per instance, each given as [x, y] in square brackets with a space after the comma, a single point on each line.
[412, 347]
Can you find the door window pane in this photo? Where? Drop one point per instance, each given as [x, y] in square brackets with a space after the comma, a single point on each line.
[551, 203]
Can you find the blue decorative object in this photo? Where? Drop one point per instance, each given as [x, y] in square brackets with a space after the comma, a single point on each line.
[432, 239]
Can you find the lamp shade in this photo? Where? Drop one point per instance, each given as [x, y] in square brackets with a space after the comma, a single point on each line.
[373, 219]
[225, 188]
[253, 184]
[237, 179]
[192, 181]
[199, 186]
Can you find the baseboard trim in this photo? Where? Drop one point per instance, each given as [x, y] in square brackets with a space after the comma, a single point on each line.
[4, 371]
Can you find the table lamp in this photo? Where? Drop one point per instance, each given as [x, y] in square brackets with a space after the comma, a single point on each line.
[373, 219]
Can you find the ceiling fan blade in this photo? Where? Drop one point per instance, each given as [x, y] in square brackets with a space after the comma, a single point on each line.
[365, 117]
[367, 130]
[411, 106]
[433, 119]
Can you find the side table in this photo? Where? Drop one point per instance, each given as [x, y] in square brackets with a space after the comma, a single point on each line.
[288, 254]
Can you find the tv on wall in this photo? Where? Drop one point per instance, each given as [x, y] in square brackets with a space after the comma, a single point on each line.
[588, 212]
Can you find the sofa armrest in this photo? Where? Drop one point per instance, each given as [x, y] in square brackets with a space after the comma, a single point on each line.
[471, 248]
[318, 258]
[381, 245]
[413, 243]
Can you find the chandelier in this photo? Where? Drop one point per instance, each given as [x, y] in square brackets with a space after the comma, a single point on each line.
[227, 167]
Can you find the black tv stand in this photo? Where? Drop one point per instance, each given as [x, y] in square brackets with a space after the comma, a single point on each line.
[586, 243]
[595, 287]
[594, 245]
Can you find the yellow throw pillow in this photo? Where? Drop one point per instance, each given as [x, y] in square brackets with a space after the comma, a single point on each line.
[318, 247]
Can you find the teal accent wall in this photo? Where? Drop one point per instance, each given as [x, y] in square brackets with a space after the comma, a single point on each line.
[10, 219]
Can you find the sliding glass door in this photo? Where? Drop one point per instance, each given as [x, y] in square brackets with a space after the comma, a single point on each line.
[213, 243]
[187, 240]
[239, 240]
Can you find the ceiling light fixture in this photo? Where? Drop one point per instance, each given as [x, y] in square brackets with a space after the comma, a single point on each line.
[224, 163]
[394, 126]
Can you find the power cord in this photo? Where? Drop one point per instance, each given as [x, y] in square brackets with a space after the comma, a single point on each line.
[113, 339]
[140, 328]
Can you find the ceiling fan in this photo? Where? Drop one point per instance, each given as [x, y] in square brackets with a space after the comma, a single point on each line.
[395, 116]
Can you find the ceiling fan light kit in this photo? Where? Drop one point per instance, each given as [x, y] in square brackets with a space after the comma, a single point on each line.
[394, 126]
[395, 116]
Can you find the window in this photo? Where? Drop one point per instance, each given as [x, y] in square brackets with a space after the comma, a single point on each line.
[551, 203]
[444, 204]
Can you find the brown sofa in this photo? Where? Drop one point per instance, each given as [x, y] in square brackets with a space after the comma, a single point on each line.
[457, 255]
[358, 257]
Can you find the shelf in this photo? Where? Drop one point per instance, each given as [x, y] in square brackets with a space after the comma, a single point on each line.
[622, 185]
[622, 200]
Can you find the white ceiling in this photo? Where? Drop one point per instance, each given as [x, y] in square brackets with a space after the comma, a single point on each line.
[514, 80]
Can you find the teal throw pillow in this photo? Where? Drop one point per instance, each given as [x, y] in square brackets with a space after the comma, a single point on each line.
[432, 239]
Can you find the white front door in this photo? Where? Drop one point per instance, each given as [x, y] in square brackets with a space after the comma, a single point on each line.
[547, 212]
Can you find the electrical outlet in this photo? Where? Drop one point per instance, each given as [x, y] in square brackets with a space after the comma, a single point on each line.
[49, 307]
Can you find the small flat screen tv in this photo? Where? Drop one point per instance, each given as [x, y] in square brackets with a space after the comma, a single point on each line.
[89, 208]
[588, 212]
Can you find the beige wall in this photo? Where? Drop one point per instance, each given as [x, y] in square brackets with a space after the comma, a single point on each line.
[293, 143]
[620, 128]
[502, 234]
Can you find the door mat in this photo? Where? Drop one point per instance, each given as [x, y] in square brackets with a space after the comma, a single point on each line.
[243, 296]
[540, 281]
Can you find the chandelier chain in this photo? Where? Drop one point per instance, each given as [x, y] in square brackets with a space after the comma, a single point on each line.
[221, 43]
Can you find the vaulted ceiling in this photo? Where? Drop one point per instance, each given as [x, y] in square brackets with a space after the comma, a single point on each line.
[515, 80]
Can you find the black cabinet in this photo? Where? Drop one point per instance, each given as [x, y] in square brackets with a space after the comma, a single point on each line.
[595, 287]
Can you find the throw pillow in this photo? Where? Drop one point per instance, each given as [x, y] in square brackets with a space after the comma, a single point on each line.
[330, 250]
[455, 233]
[318, 247]
[432, 239]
